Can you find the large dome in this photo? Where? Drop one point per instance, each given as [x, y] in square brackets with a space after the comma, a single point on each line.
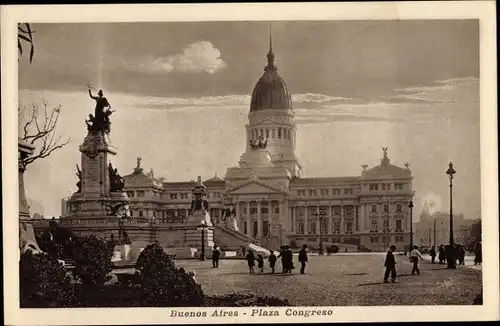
[270, 92]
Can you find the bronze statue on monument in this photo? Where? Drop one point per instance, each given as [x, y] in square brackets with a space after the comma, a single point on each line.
[116, 181]
[199, 203]
[79, 175]
[100, 120]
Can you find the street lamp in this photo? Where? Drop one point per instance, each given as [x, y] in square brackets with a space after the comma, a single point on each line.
[451, 251]
[202, 226]
[321, 215]
[411, 220]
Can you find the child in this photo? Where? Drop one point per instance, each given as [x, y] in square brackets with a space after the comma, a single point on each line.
[390, 265]
[272, 261]
[260, 263]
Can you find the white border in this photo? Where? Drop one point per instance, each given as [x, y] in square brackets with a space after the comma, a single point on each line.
[483, 10]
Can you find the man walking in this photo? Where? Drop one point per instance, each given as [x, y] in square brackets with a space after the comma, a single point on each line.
[390, 265]
[272, 260]
[433, 254]
[414, 257]
[303, 259]
[215, 257]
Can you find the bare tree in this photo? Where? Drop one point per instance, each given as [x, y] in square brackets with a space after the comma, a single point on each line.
[24, 33]
[40, 130]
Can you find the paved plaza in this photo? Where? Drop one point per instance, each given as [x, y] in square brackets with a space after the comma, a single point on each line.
[344, 280]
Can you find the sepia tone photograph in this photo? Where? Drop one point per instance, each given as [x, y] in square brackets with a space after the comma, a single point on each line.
[289, 166]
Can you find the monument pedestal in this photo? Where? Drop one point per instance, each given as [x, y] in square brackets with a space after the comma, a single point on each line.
[193, 233]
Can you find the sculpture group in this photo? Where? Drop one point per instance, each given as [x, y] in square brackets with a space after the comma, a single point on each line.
[99, 121]
[259, 143]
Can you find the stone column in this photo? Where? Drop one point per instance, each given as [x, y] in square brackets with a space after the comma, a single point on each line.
[329, 228]
[342, 222]
[293, 211]
[238, 218]
[247, 219]
[306, 216]
[259, 221]
[318, 223]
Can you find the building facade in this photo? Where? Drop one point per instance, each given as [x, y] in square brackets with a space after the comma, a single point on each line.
[433, 229]
[273, 203]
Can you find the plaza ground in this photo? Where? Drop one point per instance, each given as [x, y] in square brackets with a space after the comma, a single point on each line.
[344, 280]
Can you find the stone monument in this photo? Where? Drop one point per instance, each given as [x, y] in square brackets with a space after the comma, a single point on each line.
[199, 221]
[100, 186]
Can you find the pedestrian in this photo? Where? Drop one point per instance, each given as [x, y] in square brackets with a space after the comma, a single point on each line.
[433, 254]
[478, 250]
[243, 251]
[414, 257]
[250, 261]
[260, 263]
[303, 259]
[215, 257]
[390, 265]
[461, 255]
[283, 259]
[442, 255]
[272, 261]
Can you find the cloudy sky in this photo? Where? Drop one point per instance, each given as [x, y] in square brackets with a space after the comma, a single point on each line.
[181, 91]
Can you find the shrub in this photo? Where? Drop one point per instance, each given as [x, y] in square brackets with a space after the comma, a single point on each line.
[162, 283]
[333, 249]
[43, 282]
[92, 261]
[245, 299]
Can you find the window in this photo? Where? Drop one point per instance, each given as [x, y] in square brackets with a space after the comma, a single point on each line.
[386, 225]
[276, 210]
[336, 227]
[253, 210]
[399, 225]
[398, 186]
[386, 186]
[310, 192]
[327, 192]
[315, 193]
[386, 207]
[245, 210]
[400, 238]
[130, 194]
[312, 227]
[140, 193]
[348, 227]
[264, 210]
[373, 187]
[374, 226]
[336, 210]
[254, 231]
[170, 213]
[374, 208]
[301, 228]
[267, 133]
[279, 133]
[265, 228]
[181, 213]
[173, 196]
[374, 239]
[141, 213]
[398, 207]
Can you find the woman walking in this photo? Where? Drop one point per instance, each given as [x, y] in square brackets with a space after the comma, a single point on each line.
[251, 261]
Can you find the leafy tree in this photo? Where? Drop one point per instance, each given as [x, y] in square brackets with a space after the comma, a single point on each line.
[92, 261]
[43, 282]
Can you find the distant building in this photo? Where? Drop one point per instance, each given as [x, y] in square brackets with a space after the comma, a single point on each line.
[437, 225]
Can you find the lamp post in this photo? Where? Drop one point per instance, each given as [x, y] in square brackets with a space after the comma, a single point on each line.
[202, 226]
[321, 216]
[451, 250]
[411, 220]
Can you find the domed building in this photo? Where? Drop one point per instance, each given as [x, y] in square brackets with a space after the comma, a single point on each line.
[272, 203]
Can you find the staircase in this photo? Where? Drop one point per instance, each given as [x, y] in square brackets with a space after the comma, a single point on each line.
[231, 239]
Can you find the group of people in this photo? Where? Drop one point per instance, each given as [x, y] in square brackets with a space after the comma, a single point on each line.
[459, 254]
[286, 256]
[390, 263]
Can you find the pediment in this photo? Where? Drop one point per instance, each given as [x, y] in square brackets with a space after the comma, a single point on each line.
[253, 188]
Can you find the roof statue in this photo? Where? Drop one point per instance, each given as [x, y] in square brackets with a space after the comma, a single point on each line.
[99, 121]
[116, 181]
[364, 166]
[385, 159]
[407, 165]
[138, 168]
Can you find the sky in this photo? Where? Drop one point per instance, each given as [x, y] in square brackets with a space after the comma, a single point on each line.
[181, 92]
